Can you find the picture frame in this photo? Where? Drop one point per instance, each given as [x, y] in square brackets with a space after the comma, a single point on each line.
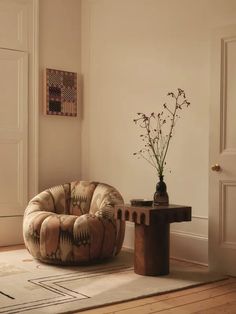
[60, 93]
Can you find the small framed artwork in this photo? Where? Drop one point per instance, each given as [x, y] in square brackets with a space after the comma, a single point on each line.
[60, 93]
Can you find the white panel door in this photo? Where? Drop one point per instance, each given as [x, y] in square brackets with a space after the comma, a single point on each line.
[222, 183]
[13, 25]
[13, 143]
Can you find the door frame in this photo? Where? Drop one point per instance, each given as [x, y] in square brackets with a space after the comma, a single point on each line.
[33, 135]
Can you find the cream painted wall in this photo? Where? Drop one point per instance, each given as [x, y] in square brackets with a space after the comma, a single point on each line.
[133, 53]
[59, 137]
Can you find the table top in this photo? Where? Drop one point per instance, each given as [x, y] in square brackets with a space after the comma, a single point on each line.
[147, 208]
[148, 214]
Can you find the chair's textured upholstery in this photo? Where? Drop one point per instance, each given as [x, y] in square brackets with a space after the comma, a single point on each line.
[74, 223]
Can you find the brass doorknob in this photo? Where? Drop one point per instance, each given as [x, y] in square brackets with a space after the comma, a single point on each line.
[215, 167]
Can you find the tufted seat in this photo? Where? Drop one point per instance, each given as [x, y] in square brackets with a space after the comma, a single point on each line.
[74, 223]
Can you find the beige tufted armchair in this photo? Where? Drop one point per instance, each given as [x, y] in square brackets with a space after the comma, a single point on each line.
[74, 223]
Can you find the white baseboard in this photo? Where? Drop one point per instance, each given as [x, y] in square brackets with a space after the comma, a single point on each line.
[184, 246]
[189, 247]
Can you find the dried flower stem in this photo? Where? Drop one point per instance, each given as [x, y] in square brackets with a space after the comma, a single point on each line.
[156, 140]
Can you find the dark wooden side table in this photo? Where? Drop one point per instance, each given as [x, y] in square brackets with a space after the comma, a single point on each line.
[152, 234]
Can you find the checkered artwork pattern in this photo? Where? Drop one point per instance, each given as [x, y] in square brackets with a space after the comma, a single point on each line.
[61, 93]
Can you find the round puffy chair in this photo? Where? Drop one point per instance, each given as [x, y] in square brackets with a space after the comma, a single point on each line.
[74, 223]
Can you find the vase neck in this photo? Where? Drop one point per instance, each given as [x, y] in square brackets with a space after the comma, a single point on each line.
[161, 178]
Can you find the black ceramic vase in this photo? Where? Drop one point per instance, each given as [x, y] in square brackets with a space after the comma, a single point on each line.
[161, 196]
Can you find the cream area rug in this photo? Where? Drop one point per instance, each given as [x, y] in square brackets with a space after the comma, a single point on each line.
[28, 286]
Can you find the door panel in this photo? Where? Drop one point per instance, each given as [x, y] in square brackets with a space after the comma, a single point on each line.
[222, 184]
[13, 25]
[228, 93]
[228, 213]
[10, 175]
[10, 106]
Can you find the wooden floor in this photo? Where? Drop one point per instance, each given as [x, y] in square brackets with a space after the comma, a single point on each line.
[215, 298]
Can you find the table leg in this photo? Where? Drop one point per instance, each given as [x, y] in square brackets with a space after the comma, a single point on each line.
[152, 249]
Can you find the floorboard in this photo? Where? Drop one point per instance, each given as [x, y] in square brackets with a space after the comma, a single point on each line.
[217, 297]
